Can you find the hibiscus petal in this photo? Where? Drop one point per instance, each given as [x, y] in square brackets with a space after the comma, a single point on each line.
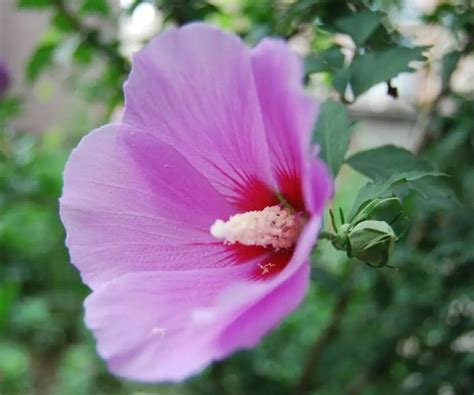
[194, 88]
[317, 186]
[258, 307]
[288, 113]
[254, 322]
[167, 326]
[144, 322]
[133, 203]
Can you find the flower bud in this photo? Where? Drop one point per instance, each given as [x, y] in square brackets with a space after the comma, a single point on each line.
[372, 242]
[340, 241]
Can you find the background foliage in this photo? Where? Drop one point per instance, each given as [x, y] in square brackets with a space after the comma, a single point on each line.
[360, 330]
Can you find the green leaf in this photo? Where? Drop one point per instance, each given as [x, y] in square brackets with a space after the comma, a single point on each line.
[373, 67]
[396, 171]
[100, 7]
[62, 23]
[341, 79]
[383, 162]
[34, 3]
[449, 63]
[332, 133]
[328, 60]
[8, 293]
[41, 58]
[383, 188]
[360, 26]
[10, 107]
[435, 190]
[83, 54]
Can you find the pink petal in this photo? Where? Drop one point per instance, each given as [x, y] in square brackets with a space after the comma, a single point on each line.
[133, 203]
[139, 199]
[145, 325]
[289, 116]
[169, 325]
[255, 308]
[193, 87]
[317, 186]
[247, 329]
[288, 113]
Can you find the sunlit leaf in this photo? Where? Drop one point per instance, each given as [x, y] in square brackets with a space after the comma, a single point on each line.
[41, 58]
[62, 22]
[100, 7]
[34, 3]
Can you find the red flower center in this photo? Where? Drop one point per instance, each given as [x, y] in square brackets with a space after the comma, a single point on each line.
[268, 226]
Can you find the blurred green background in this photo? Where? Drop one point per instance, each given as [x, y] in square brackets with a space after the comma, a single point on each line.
[359, 330]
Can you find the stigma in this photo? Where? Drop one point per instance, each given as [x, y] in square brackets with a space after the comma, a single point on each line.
[274, 226]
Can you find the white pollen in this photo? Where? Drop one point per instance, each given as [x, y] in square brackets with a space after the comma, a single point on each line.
[273, 226]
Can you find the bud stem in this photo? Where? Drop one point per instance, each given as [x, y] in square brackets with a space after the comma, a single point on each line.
[326, 235]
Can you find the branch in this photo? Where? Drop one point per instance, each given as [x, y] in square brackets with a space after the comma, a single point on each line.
[391, 90]
[315, 353]
[217, 375]
[387, 351]
[423, 125]
[380, 364]
[90, 36]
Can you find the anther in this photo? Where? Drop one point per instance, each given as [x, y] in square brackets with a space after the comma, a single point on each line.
[273, 226]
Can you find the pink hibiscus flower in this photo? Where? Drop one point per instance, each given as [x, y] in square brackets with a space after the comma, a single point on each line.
[193, 219]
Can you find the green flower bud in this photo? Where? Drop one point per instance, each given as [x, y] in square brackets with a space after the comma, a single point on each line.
[372, 242]
[340, 240]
